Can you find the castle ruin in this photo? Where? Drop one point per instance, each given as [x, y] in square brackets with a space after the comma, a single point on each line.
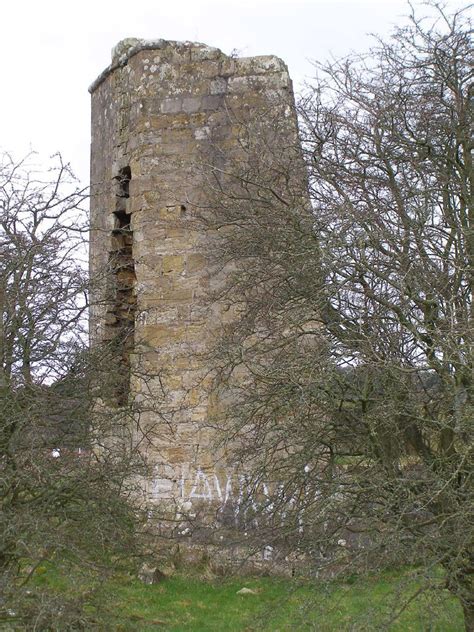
[156, 111]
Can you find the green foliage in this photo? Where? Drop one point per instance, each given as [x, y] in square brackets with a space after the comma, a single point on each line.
[189, 603]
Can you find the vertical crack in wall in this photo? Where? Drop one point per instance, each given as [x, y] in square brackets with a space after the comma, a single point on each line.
[120, 323]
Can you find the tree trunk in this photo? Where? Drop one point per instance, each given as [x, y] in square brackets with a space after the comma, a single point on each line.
[468, 611]
[460, 584]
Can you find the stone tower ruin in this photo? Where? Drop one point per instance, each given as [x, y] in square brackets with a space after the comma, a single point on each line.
[156, 110]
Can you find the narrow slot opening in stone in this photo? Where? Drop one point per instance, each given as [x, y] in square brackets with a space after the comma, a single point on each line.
[120, 321]
[124, 176]
[122, 221]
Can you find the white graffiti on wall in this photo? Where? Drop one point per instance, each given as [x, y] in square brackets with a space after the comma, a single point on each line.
[237, 494]
[229, 488]
[209, 487]
[234, 493]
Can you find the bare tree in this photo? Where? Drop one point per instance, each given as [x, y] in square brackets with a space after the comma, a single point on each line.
[349, 364]
[69, 467]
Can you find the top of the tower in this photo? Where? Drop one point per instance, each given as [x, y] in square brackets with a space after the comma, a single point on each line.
[127, 48]
[130, 46]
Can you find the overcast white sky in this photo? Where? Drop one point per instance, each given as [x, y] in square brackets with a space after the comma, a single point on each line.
[51, 50]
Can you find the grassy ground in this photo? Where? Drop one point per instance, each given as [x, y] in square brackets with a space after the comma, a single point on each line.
[192, 604]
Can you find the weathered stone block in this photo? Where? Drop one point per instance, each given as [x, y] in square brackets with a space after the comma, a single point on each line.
[195, 262]
[201, 52]
[218, 86]
[170, 212]
[212, 102]
[192, 104]
[160, 335]
[173, 264]
[264, 64]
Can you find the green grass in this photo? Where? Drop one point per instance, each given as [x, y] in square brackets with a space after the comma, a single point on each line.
[192, 604]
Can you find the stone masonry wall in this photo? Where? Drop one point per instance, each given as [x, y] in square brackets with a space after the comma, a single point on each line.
[157, 109]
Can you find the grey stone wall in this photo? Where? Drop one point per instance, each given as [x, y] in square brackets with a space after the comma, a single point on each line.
[156, 110]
